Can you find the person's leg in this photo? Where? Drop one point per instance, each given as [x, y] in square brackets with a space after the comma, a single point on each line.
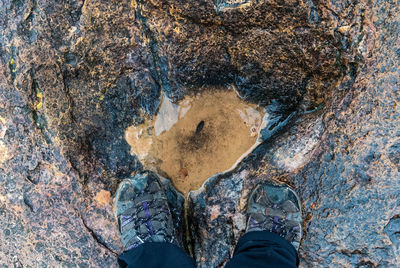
[263, 249]
[273, 230]
[146, 226]
[149, 255]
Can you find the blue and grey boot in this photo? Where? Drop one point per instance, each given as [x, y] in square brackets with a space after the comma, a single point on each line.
[142, 211]
[275, 208]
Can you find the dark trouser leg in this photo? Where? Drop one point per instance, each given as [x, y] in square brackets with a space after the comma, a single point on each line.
[156, 255]
[263, 249]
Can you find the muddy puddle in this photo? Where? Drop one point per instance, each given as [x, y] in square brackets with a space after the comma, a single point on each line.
[200, 136]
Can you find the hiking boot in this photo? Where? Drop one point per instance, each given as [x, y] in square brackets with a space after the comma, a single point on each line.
[275, 208]
[142, 211]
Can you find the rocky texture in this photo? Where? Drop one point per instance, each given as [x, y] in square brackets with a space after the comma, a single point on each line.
[75, 74]
[340, 160]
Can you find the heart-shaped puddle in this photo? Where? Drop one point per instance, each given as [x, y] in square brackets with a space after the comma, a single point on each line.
[196, 138]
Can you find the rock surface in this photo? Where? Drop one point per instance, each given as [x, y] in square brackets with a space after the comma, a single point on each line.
[75, 74]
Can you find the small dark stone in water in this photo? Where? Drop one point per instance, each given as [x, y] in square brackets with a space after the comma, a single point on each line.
[200, 126]
[184, 172]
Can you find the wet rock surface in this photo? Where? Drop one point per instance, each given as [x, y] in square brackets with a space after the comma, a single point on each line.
[75, 74]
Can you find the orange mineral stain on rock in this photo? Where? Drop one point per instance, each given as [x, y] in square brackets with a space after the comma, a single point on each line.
[193, 139]
[103, 198]
[215, 212]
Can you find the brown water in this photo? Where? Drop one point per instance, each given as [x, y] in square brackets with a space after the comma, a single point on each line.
[196, 138]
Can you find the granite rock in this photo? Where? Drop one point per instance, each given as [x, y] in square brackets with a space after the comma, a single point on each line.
[75, 74]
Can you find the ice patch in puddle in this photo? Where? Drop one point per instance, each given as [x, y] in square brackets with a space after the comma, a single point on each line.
[200, 136]
[168, 114]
